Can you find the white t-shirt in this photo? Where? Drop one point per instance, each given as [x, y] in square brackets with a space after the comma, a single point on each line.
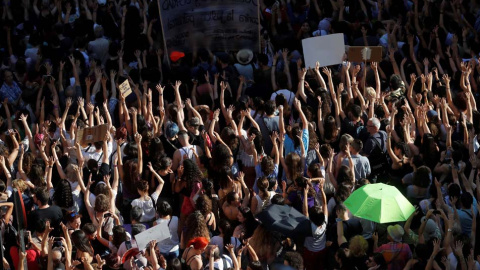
[147, 207]
[317, 241]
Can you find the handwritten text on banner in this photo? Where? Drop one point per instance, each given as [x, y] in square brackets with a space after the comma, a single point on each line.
[220, 25]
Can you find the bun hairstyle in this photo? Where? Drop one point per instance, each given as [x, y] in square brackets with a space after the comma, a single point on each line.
[263, 184]
[198, 242]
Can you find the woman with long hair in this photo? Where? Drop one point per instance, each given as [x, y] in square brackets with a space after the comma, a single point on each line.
[82, 246]
[63, 198]
[117, 238]
[234, 200]
[195, 226]
[204, 205]
[226, 183]
[251, 140]
[262, 199]
[247, 225]
[129, 173]
[188, 183]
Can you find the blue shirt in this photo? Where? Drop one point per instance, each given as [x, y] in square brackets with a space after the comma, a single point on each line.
[11, 92]
[259, 173]
[290, 146]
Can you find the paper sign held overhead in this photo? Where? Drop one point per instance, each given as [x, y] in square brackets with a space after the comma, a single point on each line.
[360, 54]
[125, 88]
[327, 50]
[92, 134]
[158, 232]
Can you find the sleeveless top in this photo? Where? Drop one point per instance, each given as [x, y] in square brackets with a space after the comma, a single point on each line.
[187, 151]
[261, 203]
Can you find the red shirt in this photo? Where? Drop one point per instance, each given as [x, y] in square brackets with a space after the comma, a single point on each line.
[33, 258]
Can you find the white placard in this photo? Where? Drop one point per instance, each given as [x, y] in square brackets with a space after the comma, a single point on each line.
[158, 232]
[327, 50]
[125, 88]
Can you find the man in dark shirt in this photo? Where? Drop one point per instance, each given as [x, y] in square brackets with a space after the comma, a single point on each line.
[52, 213]
[377, 137]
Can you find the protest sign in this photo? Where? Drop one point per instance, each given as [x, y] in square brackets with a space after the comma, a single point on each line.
[92, 134]
[218, 25]
[125, 88]
[158, 232]
[359, 54]
[327, 50]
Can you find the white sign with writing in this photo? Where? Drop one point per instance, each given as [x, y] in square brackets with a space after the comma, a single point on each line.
[158, 232]
[125, 88]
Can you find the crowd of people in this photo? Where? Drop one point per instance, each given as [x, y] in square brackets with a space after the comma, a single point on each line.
[208, 141]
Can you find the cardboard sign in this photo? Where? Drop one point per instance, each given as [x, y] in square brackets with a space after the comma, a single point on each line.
[327, 50]
[125, 88]
[158, 232]
[92, 134]
[218, 25]
[360, 54]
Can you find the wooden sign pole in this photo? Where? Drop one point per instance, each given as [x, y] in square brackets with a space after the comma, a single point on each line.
[165, 51]
[259, 28]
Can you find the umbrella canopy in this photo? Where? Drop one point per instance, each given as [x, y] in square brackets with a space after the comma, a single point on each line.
[380, 203]
[286, 220]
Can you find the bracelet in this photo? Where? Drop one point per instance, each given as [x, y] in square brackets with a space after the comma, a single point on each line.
[49, 166]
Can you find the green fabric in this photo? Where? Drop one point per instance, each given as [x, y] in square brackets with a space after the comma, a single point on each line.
[380, 203]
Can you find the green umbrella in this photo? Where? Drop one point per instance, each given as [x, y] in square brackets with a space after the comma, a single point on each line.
[379, 203]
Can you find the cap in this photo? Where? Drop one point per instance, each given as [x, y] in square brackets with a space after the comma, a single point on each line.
[194, 122]
[175, 56]
[431, 230]
[396, 232]
[171, 130]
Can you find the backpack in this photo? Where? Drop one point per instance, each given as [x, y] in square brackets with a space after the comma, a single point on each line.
[378, 159]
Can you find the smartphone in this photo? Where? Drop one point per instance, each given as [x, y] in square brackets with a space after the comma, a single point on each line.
[436, 212]
[139, 264]
[448, 154]
[107, 215]
[57, 239]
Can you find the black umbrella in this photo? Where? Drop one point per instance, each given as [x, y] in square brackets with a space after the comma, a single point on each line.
[286, 220]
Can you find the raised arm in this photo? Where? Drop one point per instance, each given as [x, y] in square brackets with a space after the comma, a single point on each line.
[272, 72]
[138, 140]
[286, 67]
[298, 106]
[281, 121]
[159, 188]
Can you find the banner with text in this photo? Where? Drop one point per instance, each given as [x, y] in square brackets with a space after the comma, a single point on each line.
[218, 25]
